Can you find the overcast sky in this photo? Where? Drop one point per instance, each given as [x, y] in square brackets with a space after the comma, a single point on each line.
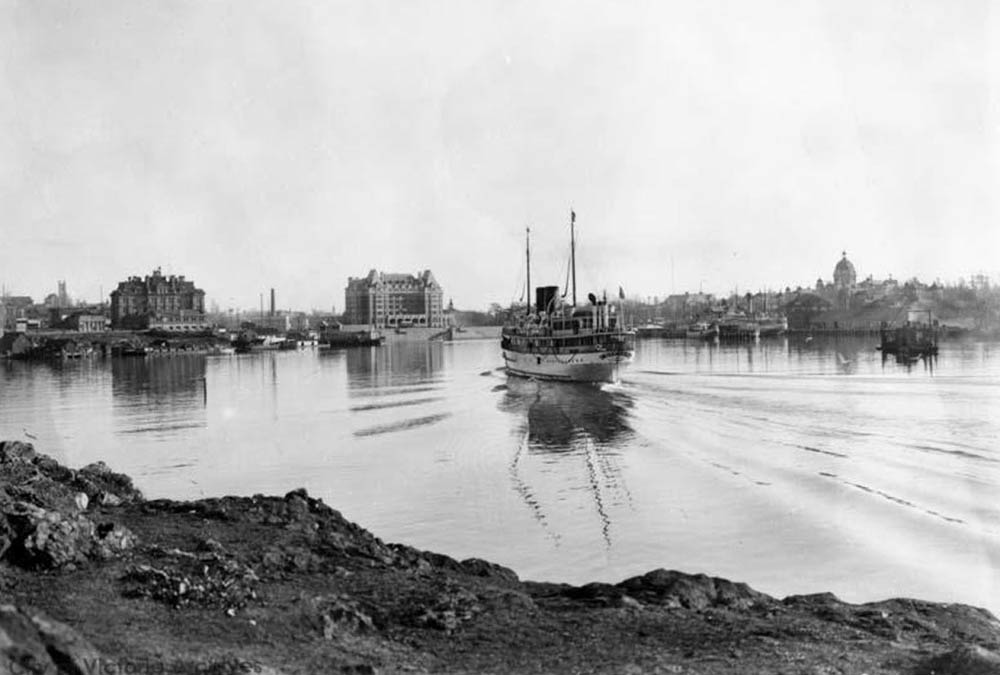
[291, 144]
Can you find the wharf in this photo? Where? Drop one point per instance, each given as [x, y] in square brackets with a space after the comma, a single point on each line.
[48, 345]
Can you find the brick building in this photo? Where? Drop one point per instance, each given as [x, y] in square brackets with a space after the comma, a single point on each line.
[157, 301]
[386, 300]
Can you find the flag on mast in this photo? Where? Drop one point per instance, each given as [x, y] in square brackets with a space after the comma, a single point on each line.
[621, 293]
[572, 216]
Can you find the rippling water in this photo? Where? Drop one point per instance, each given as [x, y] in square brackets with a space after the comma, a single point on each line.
[795, 466]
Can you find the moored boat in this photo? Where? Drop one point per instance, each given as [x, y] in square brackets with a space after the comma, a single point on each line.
[560, 341]
[701, 330]
[737, 328]
[125, 348]
[770, 326]
[249, 341]
[649, 330]
[341, 338]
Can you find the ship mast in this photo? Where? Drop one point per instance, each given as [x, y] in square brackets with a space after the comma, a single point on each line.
[572, 249]
[527, 255]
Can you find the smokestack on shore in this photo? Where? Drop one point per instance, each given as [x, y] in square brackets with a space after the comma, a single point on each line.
[272, 302]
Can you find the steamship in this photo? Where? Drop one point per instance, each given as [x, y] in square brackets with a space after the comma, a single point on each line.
[556, 340]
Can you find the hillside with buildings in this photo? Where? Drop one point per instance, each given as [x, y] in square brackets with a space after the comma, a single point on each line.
[842, 303]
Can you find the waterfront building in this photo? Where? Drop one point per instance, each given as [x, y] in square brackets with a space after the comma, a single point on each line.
[386, 300]
[803, 309]
[158, 301]
[15, 307]
[685, 306]
[844, 280]
[24, 324]
[84, 322]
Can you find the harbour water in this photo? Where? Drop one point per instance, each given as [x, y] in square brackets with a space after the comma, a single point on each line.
[796, 466]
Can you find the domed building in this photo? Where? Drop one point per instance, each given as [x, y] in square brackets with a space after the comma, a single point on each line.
[844, 280]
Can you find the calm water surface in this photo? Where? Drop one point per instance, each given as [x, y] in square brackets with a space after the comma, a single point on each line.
[796, 467]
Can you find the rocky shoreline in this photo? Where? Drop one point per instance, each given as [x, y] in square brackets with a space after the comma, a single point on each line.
[96, 579]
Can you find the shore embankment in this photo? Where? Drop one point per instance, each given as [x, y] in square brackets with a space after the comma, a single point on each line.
[97, 579]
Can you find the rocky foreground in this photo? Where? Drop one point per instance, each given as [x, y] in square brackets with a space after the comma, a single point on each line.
[95, 579]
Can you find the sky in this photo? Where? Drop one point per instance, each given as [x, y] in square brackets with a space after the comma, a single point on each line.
[716, 146]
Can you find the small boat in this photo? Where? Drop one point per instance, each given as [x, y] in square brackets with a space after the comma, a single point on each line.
[129, 349]
[701, 330]
[249, 341]
[563, 341]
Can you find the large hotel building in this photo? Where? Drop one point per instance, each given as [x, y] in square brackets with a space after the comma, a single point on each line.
[169, 303]
[387, 300]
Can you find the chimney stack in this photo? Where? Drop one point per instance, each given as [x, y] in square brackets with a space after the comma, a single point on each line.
[272, 302]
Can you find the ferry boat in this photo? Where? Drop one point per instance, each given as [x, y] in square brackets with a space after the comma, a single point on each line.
[562, 341]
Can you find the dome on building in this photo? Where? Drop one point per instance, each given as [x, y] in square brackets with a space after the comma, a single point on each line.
[844, 275]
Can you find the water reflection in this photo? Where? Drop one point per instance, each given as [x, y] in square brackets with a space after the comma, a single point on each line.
[574, 423]
[560, 416]
[151, 378]
[393, 364]
[911, 361]
[844, 352]
[159, 394]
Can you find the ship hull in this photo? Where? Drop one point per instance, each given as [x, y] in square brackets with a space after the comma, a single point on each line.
[601, 367]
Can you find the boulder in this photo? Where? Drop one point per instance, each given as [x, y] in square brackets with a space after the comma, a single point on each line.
[447, 610]
[483, 568]
[53, 469]
[40, 538]
[39, 479]
[24, 483]
[691, 591]
[183, 578]
[31, 642]
[16, 451]
[97, 480]
[334, 615]
[112, 541]
[964, 660]
[596, 593]
[45, 539]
